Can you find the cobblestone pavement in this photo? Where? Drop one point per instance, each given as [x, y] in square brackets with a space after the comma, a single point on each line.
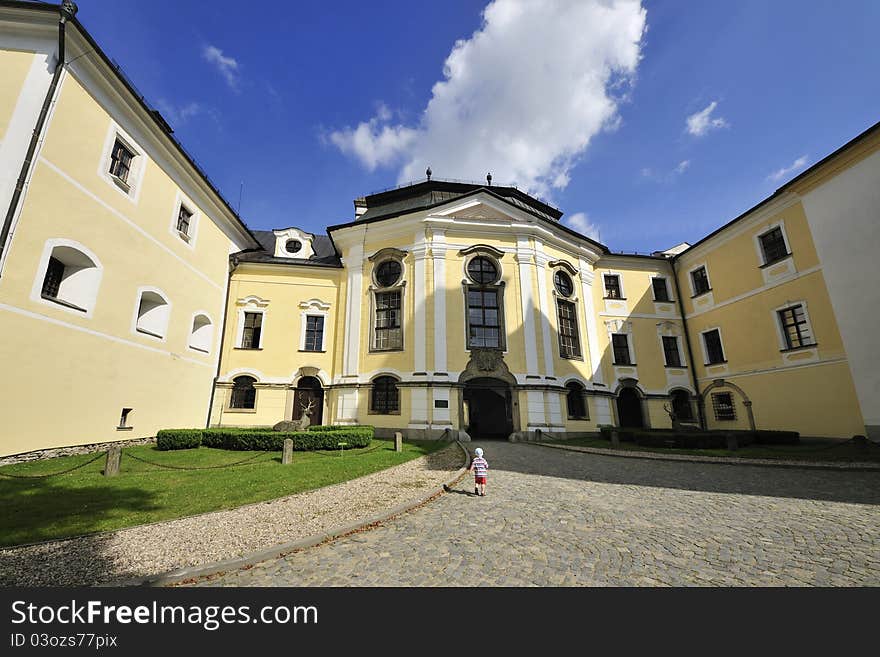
[552, 517]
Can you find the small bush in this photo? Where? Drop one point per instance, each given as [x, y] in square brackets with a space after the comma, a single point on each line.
[167, 439]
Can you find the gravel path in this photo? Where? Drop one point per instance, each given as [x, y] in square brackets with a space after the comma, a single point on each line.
[207, 538]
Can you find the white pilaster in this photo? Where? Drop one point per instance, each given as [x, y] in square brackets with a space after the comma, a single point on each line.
[438, 252]
[587, 276]
[537, 414]
[524, 257]
[541, 261]
[354, 265]
[419, 407]
[419, 283]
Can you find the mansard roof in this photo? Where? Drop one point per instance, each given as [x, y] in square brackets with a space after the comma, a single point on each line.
[430, 193]
[324, 252]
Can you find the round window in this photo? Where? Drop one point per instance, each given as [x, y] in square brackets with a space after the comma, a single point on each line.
[563, 283]
[293, 246]
[482, 270]
[388, 273]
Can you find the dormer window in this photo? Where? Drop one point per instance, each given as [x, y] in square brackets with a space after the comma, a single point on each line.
[293, 243]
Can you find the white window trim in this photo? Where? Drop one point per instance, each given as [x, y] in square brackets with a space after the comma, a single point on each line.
[313, 308]
[780, 335]
[375, 288]
[138, 168]
[137, 307]
[190, 239]
[620, 283]
[213, 333]
[766, 228]
[37, 287]
[703, 333]
[665, 279]
[573, 299]
[630, 347]
[691, 279]
[239, 336]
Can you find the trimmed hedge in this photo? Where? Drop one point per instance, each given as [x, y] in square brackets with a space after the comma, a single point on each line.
[178, 438]
[337, 427]
[264, 439]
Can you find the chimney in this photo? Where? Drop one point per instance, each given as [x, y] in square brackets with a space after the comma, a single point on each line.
[360, 206]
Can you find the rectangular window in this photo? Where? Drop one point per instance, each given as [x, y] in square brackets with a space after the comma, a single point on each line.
[795, 327]
[569, 343]
[661, 291]
[722, 404]
[123, 419]
[773, 245]
[253, 325]
[314, 333]
[387, 334]
[183, 218]
[670, 351]
[484, 319]
[120, 161]
[714, 350]
[620, 344]
[612, 286]
[52, 281]
[700, 280]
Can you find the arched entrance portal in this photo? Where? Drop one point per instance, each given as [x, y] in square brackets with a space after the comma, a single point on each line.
[629, 409]
[309, 392]
[488, 409]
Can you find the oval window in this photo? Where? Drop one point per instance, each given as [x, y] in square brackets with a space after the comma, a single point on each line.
[293, 246]
[482, 270]
[563, 283]
[388, 273]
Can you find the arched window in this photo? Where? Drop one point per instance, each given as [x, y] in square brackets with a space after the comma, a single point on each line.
[385, 397]
[70, 276]
[388, 306]
[153, 313]
[244, 394]
[485, 304]
[202, 333]
[576, 401]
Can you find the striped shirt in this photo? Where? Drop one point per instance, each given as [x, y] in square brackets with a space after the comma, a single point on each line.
[479, 466]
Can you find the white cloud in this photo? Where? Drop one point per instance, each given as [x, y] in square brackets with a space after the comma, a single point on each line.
[797, 165]
[227, 66]
[682, 166]
[522, 97]
[580, 222]
[665, 176]
[700, 123]
[178, 115]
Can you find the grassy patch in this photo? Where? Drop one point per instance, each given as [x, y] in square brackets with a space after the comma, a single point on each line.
[809, 450]
[84, 501]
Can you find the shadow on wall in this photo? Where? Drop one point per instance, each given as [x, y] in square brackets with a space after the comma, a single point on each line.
[801, 483]
[30, 510]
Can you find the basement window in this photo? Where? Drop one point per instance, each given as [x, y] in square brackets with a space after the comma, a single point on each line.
[123, 420]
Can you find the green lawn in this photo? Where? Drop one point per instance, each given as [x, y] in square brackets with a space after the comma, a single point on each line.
[808, 450]
[84, 501]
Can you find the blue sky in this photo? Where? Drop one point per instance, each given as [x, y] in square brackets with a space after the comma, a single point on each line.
[648, 123]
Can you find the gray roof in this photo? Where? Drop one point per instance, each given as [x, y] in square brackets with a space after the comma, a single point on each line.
[324, 252]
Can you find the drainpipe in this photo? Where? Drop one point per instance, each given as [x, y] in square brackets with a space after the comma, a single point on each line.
[233, 263]
[68, 12]
[687, 341]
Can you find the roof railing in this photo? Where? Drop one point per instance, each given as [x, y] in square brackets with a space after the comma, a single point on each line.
[478, 183]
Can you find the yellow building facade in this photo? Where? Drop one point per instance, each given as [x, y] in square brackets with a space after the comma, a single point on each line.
[115, 257]
[133, 298]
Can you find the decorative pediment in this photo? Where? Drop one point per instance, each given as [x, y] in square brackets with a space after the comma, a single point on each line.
[314, 304]
[293, 243]
[563, 264]
[618, 326]
[669, 329]
[487, 363]
[388, 252]
[252, 301]
[482, 248]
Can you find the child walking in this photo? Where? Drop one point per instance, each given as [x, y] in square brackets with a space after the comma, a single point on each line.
[480, 468]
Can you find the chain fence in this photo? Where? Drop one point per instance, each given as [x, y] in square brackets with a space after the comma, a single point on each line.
[54, 474]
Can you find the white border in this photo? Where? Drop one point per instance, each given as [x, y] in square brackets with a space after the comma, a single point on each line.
[706, 362]
[182, 199]
[37, 287]
[191, 324]
[137, 307]
[138, 168]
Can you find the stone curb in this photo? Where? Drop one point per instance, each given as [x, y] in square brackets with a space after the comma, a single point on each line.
[719, 460]
[196, 572]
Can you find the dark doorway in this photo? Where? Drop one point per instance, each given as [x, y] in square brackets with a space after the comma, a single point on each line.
[490, 411]
[309, 391]
[629, 409]
[681, 406]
